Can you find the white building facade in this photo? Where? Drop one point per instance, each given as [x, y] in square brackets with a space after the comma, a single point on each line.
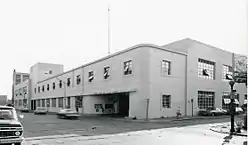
[142, 81]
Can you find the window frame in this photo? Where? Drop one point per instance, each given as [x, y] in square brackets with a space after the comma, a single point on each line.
[93, 72]
[78, 79]
[109, 70]
[203, 64]
[124, 64]
[164, 99]
[201, 97]
[166, 71]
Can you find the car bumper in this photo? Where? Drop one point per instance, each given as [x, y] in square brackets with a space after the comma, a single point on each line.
[11, 140]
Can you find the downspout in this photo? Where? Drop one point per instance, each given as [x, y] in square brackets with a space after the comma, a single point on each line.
[186, 85]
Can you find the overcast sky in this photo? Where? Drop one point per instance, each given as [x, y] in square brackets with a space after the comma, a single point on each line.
[74, 32]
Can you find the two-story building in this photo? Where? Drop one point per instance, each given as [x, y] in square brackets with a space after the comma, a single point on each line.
[144, 80]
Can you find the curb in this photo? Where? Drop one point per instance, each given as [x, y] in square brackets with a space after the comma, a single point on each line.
[51, 137]
[225, 132]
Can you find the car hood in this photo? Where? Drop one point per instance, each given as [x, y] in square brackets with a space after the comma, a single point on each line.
[10, 123]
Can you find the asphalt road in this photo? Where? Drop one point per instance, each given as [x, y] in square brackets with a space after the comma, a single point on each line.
[45, 125]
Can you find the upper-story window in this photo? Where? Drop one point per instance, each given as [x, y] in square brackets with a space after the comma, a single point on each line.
[78, 79]
[20, 91]
[53, 85]
[25, 90]
[38, 89]
[91, 76]
[128, 67]
[166, 68]
[16, 93]
[60, 83]
[47, 87]
[206, 69]
[68, 82]
[35, 90]
[106, 72]
[226, 72]
[43, 88]
[166, 101]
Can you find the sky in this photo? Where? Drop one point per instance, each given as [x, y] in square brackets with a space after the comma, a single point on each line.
[75, 32]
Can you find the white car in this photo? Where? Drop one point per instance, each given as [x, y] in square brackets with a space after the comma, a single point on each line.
[40, 110]
[223, 111]
[238, 110]
[68, 113]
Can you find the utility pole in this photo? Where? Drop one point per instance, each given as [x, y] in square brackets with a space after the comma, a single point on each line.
[108, 29]
[232, 96]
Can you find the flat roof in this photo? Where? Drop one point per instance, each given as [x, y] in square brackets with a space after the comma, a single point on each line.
[115, 54]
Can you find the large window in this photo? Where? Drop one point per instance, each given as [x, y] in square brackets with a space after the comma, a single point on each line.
[79, 102]
[38, 89]
[166, 68]
[106, 72]
[47, 87]
[61, 102]
[43, 88]
[166, 101]
[38, 103]
[226, 72]
[43, 103]
[128, 67]
[35, 90]
[69, 102]
[48, 102]
[206, 69]
[53, 85]
[54, 102]
[60, 83]
[205, 99]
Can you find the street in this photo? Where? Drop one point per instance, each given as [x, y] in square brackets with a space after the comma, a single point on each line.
[46, 125]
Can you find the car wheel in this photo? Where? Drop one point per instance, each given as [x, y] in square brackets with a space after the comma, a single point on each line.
[19, 143]
[212, 114]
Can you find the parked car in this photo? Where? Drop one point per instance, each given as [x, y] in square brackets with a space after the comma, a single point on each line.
[10, 126]
[225, 112]
[68, 113]
[24, 109]
[244, 107]
[40, 110]
[212, 111]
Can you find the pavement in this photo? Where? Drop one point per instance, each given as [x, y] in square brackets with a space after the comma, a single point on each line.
[49, 125]
[193, 135]
[225, 129]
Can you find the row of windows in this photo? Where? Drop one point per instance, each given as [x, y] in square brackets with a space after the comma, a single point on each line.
[21, 91]
[63, 102]
[206, 70]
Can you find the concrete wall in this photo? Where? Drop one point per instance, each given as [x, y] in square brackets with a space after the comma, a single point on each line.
[220, 57]
[173, 84]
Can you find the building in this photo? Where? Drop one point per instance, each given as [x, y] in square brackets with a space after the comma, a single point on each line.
[3, 99]
[145, 80]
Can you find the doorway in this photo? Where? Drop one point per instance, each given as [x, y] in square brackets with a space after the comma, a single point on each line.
[123, 105]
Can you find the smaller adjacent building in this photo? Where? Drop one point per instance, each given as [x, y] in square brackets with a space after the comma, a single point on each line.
[3, 99]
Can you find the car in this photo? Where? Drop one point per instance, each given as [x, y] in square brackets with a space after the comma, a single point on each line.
[68, 113]
[225, 112]
[40, 110]
[11, 128]
[24, 109]
[244, 107]
[211, 111]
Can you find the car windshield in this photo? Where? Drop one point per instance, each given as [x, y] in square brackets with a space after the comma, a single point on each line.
[8, 114]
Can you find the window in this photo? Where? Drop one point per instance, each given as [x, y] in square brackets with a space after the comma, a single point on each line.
[68, 82]
[227, 72]
[106, 72]
[43, 102]
[245, 96]
[53, 85]
[47, 87]
[128, 67]
[60, 102]
[79, 102]
[38, 89]
[78, 79]
[20, 91]
[91, 76]
[206, 69]
[16, 93]
[38, 103]
[109, 106]
[25, 102]
[205, 99]
[35, 90]
[166, 68]
[60, 84]
[25, 90]
[48, 102]
[20, 102]
[69, 102]
[166, 101]
[54, 102]
[43, 88]
[225, 100]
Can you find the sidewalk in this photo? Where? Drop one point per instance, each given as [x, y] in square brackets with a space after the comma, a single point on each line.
[225, 129]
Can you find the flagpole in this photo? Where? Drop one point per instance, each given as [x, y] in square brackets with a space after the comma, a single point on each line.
[108, 29]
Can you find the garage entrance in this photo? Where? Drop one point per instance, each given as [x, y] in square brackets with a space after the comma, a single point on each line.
[123, 104]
